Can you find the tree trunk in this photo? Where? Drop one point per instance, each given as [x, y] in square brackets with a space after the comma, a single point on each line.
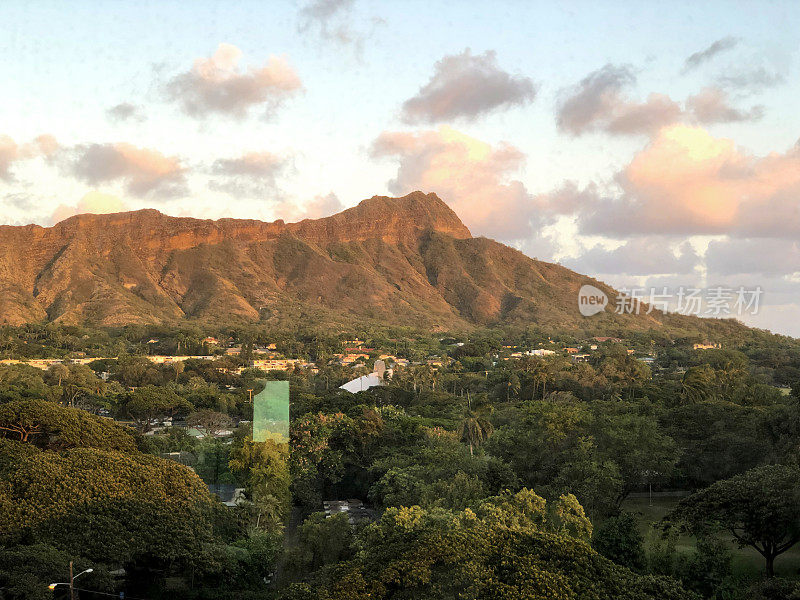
[770, 565]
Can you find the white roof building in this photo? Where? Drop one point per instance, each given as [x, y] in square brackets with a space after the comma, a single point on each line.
[366, 381]
[362, 383]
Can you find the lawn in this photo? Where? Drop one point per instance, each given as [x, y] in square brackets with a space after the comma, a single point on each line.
[746, 561]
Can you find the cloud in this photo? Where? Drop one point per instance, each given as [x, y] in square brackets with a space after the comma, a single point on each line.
[638, 256]
[689, 182]
[750, 79]
[711, 106]
[596, 103]
[593, 98]
[334, 21]
[144, 172]
[11, 152]
[93, 202]
[217, 85]
[705, 55]
[323, 206]
[766, 257]
[320, 206]
[126, 112]
[251, 174]
[474, 177]
[466, 86]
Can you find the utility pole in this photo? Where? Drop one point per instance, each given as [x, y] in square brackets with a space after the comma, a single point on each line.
[251, 395]
[71, 583]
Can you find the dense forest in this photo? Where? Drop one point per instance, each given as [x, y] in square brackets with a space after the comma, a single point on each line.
[645, 468]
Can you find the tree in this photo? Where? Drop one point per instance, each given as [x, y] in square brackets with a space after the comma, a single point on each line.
[75, 381]
[513, 547]
[322, 540]
[263, 467]
[475, 428]
[697, 384]
[759, 508]
[49, 425]
[619, 539]
[26, 571]
[210, 422]
[145, 405]
[636, 445]
[110, 507]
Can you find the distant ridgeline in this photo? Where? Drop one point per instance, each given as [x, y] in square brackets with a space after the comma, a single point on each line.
[406, 261]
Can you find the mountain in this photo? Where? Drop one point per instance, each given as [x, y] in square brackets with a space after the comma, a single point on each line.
[406, 260]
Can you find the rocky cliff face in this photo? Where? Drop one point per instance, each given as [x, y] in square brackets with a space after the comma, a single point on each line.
[406, 260]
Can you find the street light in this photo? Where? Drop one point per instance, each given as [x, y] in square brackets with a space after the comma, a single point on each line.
[71, 583]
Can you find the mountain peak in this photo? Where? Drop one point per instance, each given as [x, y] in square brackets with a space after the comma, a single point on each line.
[397, 219]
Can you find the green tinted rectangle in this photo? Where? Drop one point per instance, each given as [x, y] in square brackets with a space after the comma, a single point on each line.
[271, 413]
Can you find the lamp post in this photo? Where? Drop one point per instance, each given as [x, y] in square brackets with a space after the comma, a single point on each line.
[71, 583]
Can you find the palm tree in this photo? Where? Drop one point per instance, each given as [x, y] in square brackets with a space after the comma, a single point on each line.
[697, 384]
[541, 375]
[475, 428]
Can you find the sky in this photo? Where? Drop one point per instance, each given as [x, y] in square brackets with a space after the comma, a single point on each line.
[648, 144]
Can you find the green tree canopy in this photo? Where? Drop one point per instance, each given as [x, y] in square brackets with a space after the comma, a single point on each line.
[414, 553]
[759, 508]
[107, 506]
[48, 425]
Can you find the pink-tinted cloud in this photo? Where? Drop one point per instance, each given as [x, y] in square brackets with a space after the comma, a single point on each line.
[11, 152]
[597, 103]
[144, 172]
[688, 182]
[465, 86]
[711, 106]
[474, 177]
[316, 208]
[217, 85]
[93, 202]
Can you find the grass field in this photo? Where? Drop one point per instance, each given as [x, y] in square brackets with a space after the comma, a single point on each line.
[746, 561]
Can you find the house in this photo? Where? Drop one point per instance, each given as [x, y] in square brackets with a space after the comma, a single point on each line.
[275, 364]
[706, 346]
[613, 340]
[580, 358]
[541, 352]
[211, 341]
[571, 350]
